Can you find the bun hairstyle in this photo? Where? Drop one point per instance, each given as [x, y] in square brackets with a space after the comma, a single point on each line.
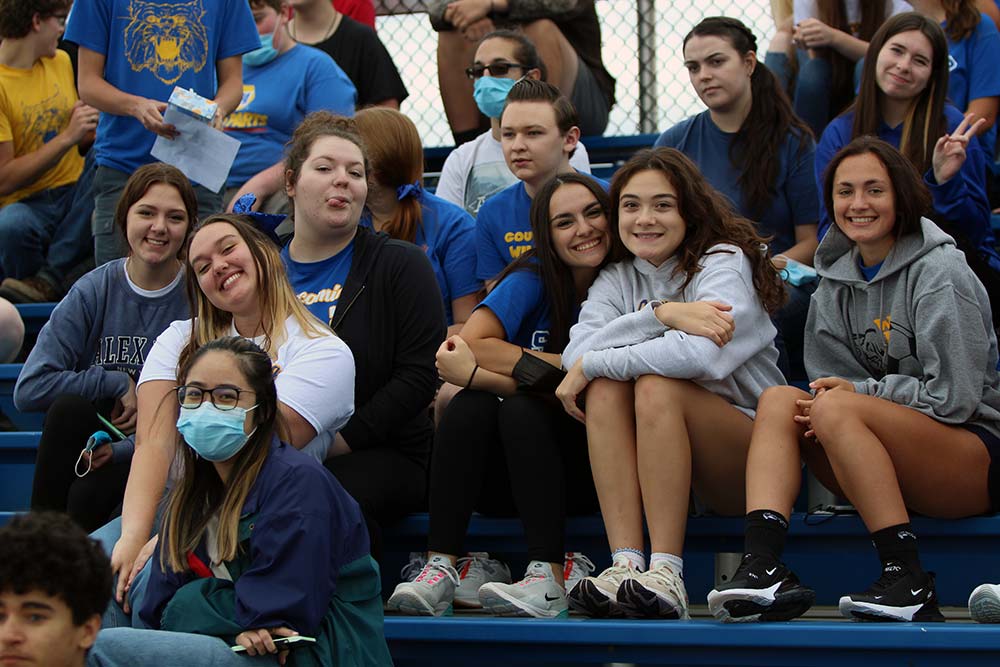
[771, 118]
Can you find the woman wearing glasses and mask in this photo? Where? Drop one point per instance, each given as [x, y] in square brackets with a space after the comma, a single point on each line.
[237, 285]
[259, 541]
[476, 170]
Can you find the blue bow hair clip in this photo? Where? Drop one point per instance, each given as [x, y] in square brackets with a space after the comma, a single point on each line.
[409, 190]
[266, 222]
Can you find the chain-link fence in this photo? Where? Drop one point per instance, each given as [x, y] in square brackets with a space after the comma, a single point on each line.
[652, 88]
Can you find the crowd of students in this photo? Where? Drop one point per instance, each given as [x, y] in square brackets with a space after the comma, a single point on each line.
[237, 408]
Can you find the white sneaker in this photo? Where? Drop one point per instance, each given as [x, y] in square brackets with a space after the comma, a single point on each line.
[598, 596]
[410, 571]
[657, 593]
[984, 604]
[475, 570]
[539, 595]
[576, 566]
[430, 594]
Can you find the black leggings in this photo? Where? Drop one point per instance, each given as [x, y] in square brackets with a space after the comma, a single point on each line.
[387, 484]
[523, 455]
[96, 498]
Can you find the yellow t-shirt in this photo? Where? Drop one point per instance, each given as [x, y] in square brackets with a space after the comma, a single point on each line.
[35, 106]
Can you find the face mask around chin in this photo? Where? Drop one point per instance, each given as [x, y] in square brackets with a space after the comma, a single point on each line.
[265, 54]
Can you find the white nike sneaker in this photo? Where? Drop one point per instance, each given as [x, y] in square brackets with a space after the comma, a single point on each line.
[475, 570]
[430, 594]
[598, 596]
[576, 566]
[539, 595]
[656, 593]
[984, 604]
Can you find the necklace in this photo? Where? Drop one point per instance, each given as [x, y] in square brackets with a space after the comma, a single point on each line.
[290, 27]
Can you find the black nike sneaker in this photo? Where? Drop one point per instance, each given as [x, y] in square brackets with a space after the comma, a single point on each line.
[762, 589]
[898, 595]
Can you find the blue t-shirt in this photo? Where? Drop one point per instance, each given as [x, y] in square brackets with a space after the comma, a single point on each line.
[961, 201]
[276, 97]
[503, 229]
[318, 284]
[794, 203]
[869, 272]
[151, 47]
[973, 71]
[447, 236]
[519, 303]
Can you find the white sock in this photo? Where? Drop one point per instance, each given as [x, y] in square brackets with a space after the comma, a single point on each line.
[630, 557]
[658, 558]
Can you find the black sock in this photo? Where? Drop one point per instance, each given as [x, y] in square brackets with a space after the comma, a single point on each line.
[898, 543]
[764, 533]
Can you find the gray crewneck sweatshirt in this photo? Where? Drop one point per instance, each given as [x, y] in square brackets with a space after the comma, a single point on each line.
[920, 334]
[619, 338]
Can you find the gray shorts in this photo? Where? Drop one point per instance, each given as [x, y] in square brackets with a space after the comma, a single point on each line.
[589, 101]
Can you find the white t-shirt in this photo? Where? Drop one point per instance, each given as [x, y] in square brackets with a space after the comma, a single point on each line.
[314, 376]
[807, 9]
[476, 170]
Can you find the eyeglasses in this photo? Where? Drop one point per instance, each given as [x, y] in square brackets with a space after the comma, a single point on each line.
[495, 69]
[60, 19]
[225, 397]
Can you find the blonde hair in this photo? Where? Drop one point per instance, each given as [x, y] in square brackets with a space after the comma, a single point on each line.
[275, 297]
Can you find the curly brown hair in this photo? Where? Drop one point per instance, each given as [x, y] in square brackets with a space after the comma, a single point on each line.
[709, 220]
[16, 16]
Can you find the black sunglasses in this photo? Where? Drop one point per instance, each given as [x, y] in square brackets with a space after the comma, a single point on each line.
[495, 69]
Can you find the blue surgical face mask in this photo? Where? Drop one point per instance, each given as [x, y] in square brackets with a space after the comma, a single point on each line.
[490, 93]
[214, 434]
[262, 56]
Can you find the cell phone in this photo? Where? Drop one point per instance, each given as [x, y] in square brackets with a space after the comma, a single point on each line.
[284, 643]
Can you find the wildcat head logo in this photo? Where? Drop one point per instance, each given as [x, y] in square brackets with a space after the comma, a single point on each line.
[45, 120]
[167, 39]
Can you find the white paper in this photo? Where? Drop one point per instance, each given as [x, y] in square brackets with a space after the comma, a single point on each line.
[201, 152]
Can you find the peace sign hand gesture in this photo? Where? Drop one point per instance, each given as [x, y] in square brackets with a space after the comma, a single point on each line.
[950, 150]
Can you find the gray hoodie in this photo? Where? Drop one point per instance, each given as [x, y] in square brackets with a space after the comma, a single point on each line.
[619, 338]
[919, 334]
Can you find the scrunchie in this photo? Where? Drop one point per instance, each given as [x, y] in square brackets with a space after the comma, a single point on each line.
[409, 190]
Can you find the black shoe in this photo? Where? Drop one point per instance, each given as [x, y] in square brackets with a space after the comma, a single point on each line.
[762, 589]
[898, 595]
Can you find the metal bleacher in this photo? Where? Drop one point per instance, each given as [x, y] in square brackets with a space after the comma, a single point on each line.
[830, 553]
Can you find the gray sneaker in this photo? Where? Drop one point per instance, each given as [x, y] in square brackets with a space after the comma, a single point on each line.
[475, 570]
[656, 593]
[576, 567]
[539, 595]
[598, 596]
[984, 604]
[430, 594]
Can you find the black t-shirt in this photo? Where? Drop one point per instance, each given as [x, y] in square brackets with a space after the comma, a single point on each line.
[363, 57]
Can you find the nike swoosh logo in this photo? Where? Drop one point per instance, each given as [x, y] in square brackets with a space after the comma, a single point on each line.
[878, 597]
[915, 592]
[550, 599]
[771, 571]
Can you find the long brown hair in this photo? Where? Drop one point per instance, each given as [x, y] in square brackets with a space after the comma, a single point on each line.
[834, 14]
[925, 121]
[200, 492]
[397, 159]
[276, 299]
[771, 119]
[962, 17]
[709, 220]
[557, 279]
